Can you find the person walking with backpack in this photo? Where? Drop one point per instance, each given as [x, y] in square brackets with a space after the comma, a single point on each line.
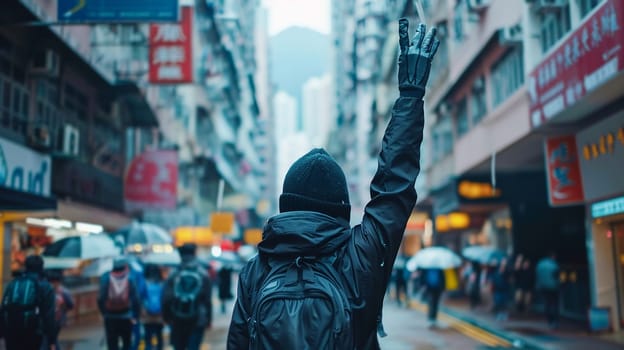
[152, 310]
[317, 283]
[28, 309]
[187, 301]
[434, 281]
[119, 304]
[63, 303]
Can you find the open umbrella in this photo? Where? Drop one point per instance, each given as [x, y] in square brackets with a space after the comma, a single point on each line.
[143, 234]
[483, 254]
[82, 247]
[433, 258]
[163, 259]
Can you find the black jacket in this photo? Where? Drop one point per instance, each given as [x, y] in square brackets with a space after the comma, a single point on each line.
[205, 296]
[46, 301]
[367, 251]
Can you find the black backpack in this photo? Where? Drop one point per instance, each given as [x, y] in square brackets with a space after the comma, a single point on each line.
[301, 304]
[187, 286]
[20, 305]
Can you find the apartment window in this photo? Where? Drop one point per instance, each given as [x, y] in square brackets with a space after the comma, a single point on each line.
[46, 107]
[586, 6]
[555, 25]
[443, 138]
[458, 21]
[75, 103]
[14, 97]
[478, 107]
[462, 117]
[507, 76]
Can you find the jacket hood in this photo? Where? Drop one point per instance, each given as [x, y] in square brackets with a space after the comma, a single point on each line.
[307, 233]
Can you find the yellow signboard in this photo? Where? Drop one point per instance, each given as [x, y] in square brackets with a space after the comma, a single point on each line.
[189, 234]
[452, 221]
[222, 222]
[253, 236]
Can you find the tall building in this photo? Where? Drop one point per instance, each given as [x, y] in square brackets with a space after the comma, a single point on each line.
[285, 112]
[317, 110]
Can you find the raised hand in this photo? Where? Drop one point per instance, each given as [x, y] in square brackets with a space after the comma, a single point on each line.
[415, 59]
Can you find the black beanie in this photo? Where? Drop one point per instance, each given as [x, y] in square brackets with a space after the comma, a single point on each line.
[315, 182]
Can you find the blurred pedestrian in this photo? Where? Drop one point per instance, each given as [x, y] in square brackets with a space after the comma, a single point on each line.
[119, 304]
[525, 281]
[434, 282]
[310, 245]
[547, 283]
[501, 290]
[152, 308]
[187, 301]
[63, 303]
[138, 277]
[28, 309]
[473, 284]
[400, 280]
[225, 285]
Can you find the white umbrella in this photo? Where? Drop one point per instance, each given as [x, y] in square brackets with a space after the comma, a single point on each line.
[434, 258]
[166, 258]
[482, 254]
[82, 247]
[143, 234]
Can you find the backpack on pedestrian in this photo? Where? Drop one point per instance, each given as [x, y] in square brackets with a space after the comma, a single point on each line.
[20, 305]
[311, 289]
[433, 278]
[152, 303]
[187, 286]
[118, 297]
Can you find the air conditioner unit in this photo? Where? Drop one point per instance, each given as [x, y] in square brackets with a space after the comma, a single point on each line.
[71, 140]
[510, 35]
[39, 137]
[478, 5]
[46, 63]
[549, 5]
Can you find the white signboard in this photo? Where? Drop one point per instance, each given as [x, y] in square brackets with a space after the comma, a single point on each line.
[23, 169]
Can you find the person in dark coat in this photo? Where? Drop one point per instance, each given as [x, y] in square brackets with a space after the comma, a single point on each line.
[525, 282]
[435, 284]
[17, 337]
[119, 304]
[188, 334]
[315, 211]
[225, 285]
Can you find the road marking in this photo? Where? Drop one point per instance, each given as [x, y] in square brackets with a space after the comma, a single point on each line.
[472, 331]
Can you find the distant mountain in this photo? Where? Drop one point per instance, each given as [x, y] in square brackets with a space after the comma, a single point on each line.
[296, 55]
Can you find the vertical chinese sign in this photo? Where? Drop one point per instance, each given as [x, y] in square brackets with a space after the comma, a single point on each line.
[171, 51]
[588, 58]
[564, 174]
[152, 181]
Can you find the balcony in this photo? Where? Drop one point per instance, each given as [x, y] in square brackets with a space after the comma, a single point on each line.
[83, 182]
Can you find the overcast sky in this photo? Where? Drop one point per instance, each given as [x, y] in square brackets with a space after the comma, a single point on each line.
[314, 14]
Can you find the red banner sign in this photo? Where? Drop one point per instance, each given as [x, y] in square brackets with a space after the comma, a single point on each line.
[170, 50]
[563, 171]
[590, 56]
[152, 181]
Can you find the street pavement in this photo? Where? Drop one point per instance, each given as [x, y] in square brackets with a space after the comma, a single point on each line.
[407, 330]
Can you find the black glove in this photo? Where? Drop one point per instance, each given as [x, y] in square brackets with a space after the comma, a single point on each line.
[415, 59]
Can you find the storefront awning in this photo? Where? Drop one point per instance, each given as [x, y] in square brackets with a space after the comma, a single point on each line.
[11, 199]
[142, 114]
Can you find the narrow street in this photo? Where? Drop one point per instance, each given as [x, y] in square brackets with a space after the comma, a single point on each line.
[406, 328]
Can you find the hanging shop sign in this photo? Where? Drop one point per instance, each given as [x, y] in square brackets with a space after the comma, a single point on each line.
[24, 170]
[602, 157]
[107, 11]
[151, 181]
[609, 207]
[222, 222]
[170, 50]
[562, 169]
[588, 58]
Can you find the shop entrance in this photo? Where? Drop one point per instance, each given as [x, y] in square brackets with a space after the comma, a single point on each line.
[616, 231]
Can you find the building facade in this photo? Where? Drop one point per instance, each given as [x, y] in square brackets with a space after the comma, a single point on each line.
[521, 147]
